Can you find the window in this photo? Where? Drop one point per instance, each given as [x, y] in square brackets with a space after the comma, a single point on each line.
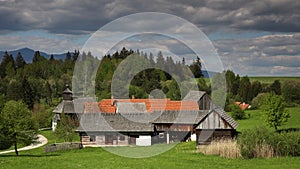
[161, 135]
[122, 138]
[92, 138]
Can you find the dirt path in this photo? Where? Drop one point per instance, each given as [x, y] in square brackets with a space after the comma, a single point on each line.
[42, 140]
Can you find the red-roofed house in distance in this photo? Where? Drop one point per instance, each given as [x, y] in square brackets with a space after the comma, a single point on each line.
[243, 105]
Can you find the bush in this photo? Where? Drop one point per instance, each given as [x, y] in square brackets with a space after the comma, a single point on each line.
[236, 112]
[291, 91]
[251, 141]
[257, 102]
[286, 143]
[260, 142]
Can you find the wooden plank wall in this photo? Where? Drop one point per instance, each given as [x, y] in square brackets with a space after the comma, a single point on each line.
[213, 121]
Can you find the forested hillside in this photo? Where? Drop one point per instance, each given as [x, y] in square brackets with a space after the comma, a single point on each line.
[43, 80]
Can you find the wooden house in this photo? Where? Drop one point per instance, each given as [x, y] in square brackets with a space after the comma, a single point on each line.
[151, 121]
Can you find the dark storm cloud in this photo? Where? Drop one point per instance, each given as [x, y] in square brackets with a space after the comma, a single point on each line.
[89, 15]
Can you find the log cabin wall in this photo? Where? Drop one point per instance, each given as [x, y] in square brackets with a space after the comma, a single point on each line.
[205, 136]
[174, 127]
[105, 139]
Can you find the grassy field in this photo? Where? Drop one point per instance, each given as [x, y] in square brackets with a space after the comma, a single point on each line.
[257, 120]
[183, 155]
[269, 80]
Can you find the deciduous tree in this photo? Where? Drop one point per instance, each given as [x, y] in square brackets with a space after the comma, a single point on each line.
[275, 114]
[17, 122]
[66, 127]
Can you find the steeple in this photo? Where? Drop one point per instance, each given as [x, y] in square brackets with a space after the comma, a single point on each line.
[67, 94]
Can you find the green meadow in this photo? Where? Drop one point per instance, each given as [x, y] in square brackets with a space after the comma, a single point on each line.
[256, 119]
[182, 155]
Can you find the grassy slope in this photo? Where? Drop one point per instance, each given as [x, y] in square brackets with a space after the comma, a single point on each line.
[182, 156]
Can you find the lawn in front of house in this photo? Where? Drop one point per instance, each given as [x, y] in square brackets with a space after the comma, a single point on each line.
[183, 155]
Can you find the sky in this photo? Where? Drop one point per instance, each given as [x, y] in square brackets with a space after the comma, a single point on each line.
[254, 38]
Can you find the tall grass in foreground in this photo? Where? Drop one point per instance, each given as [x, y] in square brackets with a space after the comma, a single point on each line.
[256, 142]
[229, 148]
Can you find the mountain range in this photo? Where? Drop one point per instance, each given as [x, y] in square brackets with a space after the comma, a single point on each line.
[28, 54]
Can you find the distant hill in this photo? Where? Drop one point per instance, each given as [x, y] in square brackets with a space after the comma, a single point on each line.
[208, 74]
[28, 54]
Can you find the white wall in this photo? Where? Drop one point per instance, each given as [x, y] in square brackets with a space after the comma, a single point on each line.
[193, 137]
[143, 141]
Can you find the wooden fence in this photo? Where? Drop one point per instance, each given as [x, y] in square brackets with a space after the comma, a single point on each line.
[62, 146]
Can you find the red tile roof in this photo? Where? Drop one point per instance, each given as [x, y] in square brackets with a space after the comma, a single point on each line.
[106, 106]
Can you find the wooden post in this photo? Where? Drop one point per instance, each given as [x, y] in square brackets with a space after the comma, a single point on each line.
[168, 138]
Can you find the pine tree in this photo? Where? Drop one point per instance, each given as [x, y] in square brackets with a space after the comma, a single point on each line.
[276, 87]
[160, 61]
[36, 56]
[196, 68]
[20, 62]
[27, 93]
[245, 89]
[6, 60]
[14, 90]
[52, 59]
[76, 55]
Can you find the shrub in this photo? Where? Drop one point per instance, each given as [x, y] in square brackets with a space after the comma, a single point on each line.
[236, 112]
[291, 91]
[286, 143]
[257, 102]
[260, 142]
[251, 141]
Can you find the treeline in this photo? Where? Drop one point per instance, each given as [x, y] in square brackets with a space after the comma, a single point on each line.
[241, 89]
[161, 73]
[43, 80]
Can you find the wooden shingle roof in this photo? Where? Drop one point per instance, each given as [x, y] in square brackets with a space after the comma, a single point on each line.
[90, 122]
[65, 106]
[194, 95]
[73, 106]
[180, 117]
